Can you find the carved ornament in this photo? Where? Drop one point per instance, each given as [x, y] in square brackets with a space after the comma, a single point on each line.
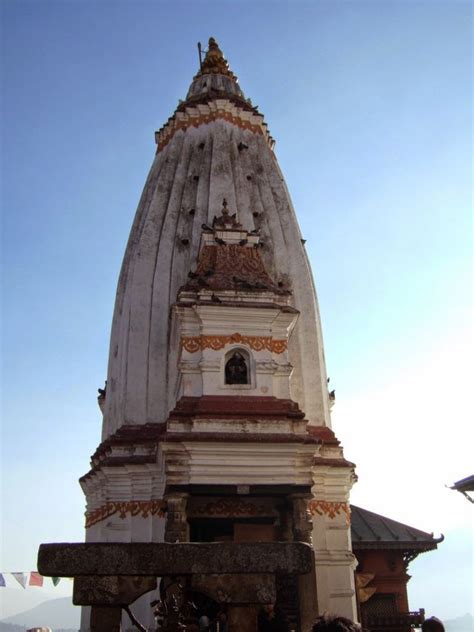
[231, 508]
[226, 221]
[329, 509]
[231, 267]
[141, 508]
[257, 343]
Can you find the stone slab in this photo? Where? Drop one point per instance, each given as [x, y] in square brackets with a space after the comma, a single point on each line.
[235, 589]
[153, 559]
[110, 591]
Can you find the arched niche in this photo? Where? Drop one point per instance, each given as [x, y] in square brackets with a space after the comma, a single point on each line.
[238, 368]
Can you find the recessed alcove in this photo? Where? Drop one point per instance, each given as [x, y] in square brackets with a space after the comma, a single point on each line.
[238, 370]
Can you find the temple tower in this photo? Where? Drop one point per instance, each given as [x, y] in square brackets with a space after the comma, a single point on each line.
[216, 415]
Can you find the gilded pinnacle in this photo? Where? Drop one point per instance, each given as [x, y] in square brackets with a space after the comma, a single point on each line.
[215, 62]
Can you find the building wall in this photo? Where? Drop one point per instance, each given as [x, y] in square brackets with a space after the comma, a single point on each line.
[390, 576]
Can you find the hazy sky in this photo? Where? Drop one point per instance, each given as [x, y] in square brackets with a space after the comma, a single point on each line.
[370, 104]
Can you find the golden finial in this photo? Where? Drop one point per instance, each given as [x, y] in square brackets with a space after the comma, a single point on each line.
[215, 62]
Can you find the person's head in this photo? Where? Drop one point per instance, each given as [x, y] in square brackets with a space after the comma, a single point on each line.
[332, 623]
[433, 624]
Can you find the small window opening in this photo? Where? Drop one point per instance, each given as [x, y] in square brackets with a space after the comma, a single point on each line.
[236, 370]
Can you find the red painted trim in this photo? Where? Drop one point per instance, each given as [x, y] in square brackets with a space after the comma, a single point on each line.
[238, 437]
[235, 407]
[136, 434]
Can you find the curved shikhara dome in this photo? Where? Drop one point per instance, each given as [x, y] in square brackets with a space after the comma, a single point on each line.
[215, 146]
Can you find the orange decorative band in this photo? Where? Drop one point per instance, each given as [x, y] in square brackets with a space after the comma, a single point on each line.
[257, 343]
[186, 121]
[330, 509]
[143, 508]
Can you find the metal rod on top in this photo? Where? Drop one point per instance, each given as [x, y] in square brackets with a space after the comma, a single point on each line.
[200, 54]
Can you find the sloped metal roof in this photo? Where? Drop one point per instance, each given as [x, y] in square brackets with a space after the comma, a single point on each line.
[465, 484]
[370, 530]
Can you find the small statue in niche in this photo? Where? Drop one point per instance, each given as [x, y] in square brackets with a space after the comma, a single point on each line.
[236, 371]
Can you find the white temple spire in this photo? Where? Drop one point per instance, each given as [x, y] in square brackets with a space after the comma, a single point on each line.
[216, 386]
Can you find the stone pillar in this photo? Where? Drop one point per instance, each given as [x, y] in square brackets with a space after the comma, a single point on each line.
[286, 523]
[106, 618]
[302, 525]
[302, 530]
[334, 561]
[177, 527]
[85, 619]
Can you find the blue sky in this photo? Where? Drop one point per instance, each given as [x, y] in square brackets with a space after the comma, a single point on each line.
[370, 104]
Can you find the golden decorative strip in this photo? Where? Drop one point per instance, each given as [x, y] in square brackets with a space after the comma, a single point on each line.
[257, 343]
[144, 508]
[330, 509]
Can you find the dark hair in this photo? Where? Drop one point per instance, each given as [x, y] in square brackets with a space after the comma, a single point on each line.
[332, 623]
[433, 624]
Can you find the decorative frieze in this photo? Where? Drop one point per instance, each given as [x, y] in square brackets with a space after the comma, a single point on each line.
[221, 109]
[141, 508]
[234, 264]
[231, 508]
[329, 509]
[192, 344]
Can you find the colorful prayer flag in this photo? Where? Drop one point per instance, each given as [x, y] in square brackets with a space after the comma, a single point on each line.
[21, 578]
[36, 579]
[55, 580]
[2, 581]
